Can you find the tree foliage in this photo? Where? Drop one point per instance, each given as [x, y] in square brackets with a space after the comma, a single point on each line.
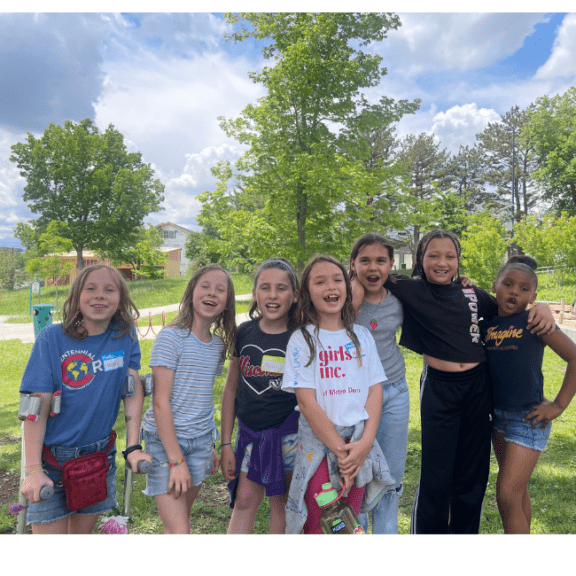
[426, 168]
[308, 181]
[11, 268]
[90, 181]
[502, 149]
[552, 132]
[552, 242]
[52, 244]
[144, 256]
[483, 248]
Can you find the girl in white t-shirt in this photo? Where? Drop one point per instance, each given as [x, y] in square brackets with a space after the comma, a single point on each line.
[333, 368]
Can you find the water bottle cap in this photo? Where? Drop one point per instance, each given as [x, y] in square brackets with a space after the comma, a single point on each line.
[327, 495]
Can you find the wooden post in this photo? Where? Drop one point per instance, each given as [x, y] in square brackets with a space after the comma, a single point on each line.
[562, 303]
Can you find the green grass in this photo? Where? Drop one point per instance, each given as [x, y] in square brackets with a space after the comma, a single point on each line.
[552, 488]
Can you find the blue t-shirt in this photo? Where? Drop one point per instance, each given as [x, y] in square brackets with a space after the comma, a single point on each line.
[91, 374]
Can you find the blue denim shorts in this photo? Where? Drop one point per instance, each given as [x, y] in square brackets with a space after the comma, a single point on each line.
[196, 451]
[289, 442]
[55, 508]
[512, 424]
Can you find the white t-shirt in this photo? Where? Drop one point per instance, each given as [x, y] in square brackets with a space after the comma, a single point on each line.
[341, 385]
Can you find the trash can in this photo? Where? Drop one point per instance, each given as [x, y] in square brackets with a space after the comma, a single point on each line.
[42, 316]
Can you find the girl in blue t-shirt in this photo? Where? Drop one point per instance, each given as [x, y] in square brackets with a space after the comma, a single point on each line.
[87, 359]
[523, 416]
[179, 429]
[267, 420]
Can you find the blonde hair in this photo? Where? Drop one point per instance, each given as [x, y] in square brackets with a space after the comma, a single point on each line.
[307, 314]
[123, 320]
[225, 325]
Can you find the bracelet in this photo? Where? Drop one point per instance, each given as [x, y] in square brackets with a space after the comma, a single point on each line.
[131, 449]
[220, 447]
[33, 472]
[176, 463]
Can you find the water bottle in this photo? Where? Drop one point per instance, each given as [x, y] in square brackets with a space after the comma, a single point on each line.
[337, 516]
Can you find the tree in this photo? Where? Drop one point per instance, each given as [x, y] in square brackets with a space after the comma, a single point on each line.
[467, 177]
[483, 249]
[298, 184]
[426, 166]
[52, 244]
[552, 131]
[552, 242]
[90, 181]
[144, 256]
[502, 149]
[11, 268]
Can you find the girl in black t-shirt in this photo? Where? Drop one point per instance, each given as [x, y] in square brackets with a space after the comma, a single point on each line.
[441, 322]
[267, 420]
[523, 416]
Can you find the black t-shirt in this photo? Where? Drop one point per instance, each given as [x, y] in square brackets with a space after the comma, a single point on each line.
[442, 320]
[260, 403]
[515, 361]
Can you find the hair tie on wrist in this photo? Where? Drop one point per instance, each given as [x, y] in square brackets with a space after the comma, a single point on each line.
[176, 463]
[226, 444]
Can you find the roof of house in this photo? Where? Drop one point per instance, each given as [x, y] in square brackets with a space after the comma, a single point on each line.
[174, 226]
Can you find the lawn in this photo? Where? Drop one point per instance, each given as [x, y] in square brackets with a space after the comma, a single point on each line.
[552, 487]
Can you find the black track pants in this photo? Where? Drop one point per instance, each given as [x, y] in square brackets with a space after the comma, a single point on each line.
[456, 425]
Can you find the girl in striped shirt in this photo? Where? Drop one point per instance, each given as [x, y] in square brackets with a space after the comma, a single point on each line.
[179, 429]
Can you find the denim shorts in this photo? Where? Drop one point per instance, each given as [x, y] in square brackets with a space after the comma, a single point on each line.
[55, 508]
[196, 451]
[512, 424]
[289, 442]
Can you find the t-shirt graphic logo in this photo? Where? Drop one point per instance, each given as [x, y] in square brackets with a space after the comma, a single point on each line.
[75, 371]
[270, 378]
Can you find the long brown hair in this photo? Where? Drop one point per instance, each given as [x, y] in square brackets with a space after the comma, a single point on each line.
[225, 324]
[123, 320]
[279, 264]
[307, 314]
[423, 244]
[367, 240]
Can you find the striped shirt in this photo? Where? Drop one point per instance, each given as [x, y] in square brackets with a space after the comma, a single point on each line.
[195, 366]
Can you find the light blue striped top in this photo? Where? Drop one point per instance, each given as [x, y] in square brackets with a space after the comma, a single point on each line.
[195, 364]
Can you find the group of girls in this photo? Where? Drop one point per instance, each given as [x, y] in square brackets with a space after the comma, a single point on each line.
[317, 384]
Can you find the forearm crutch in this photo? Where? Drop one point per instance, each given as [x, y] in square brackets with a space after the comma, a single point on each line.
[29, 405]
[143, 466]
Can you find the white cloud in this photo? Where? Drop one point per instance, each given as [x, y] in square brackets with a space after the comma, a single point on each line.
[458, 126]
[562, 61]
[437, 42]
[169, 107]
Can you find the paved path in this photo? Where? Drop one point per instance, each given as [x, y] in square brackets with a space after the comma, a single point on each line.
[25, 332]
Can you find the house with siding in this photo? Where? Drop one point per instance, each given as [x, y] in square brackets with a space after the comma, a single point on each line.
[171, 266]
[175, 236]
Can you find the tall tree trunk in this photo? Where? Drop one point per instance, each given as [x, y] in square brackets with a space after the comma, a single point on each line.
[79, 258]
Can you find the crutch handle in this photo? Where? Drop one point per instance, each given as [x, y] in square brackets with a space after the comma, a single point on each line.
[46, 492]
[144, 466]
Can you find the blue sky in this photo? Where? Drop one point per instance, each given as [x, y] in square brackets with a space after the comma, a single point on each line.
[163, 79]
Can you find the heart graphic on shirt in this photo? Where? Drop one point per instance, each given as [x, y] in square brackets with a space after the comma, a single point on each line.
[373, 324]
